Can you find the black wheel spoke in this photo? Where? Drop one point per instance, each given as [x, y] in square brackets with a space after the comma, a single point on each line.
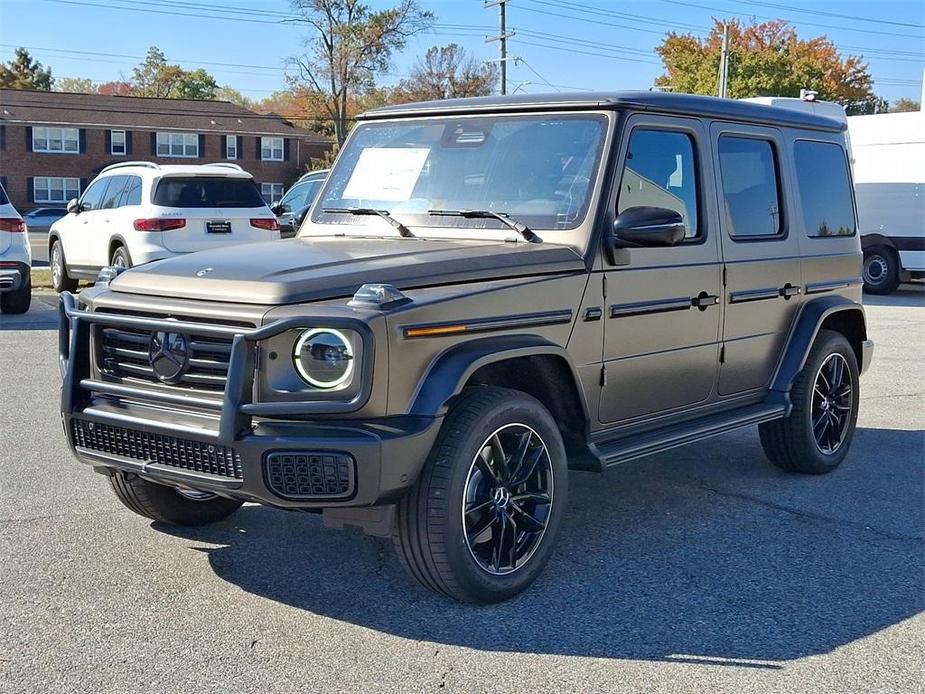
[529, 466]
[476, 507]
[479, 527]
[498, 531]
[519, 458]
[485, 467]
[527, 522]
[531, 498]
[498, 457]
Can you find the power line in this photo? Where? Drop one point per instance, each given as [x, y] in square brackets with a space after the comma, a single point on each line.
[575, 50]
[642, 19]
[822, 13]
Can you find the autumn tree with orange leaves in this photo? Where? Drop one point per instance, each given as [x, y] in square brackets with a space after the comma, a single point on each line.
[767, 59]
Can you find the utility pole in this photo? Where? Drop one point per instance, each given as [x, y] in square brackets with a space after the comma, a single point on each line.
[502, 38]
[724, 64]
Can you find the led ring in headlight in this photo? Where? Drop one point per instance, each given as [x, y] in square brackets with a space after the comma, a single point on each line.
[324, 358]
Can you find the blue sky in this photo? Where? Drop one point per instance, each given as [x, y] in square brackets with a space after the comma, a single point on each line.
[573, 44]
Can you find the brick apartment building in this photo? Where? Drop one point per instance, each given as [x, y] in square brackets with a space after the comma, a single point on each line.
[52, 144]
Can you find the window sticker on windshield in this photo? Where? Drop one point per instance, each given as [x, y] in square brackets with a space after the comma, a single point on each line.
[386, 173]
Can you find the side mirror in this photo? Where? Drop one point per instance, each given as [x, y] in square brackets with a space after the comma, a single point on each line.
[299, 217]
[276, 209]
[648, 226]
[73, 207]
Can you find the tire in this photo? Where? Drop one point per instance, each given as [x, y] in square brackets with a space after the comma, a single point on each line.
[168, 505]
[17, 301]
[121, 258]
[60, 280]
[793, 443]
[430, 534]
[881, 270]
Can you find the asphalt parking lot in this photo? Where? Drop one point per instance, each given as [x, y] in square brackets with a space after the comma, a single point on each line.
[701, 570]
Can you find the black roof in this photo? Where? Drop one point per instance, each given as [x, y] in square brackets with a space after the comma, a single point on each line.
[664, 102]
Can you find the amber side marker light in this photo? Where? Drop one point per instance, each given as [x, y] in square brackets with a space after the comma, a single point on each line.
[435, 331]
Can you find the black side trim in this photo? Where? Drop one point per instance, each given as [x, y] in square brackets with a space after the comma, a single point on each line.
[908, 243]
[817, 287]
[741, 297]
[681, 303]
[481, 325]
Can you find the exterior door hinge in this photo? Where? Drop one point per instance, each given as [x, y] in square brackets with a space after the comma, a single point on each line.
[603, 375]
[604, 285]
[724, 275]
[722, 354]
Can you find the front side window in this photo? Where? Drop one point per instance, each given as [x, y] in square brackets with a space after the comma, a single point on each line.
[538, 169]
[271, 148]
[55, 188]
[748, 167]
[48, 139]
[660, 172]
[271, 192]
[178, 145]
[117, 142]
[824, 188]
[231, 147]
[207, 191]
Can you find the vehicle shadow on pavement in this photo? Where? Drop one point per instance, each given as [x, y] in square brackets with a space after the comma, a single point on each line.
[704, 555]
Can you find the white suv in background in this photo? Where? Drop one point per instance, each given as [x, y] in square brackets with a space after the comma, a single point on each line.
[136, 212]
[15, 259]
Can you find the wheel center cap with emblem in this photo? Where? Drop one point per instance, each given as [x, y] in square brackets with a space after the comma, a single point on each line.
[502, 497]
[168, 354]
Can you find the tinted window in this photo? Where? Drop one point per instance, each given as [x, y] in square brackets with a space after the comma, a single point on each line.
[825, 189]
[131, 194]
[300, 195]
[201, 191]
[660, 172]
[93, 197]
[3, 199]
[749, 172]
[113, 192]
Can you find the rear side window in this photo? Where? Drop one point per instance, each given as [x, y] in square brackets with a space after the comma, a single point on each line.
[202, 191]
[131, 195]
[749, 172]
[113, 192]
[660, 172]
[825, 189]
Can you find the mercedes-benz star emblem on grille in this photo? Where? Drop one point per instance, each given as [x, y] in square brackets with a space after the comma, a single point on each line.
[169, 355]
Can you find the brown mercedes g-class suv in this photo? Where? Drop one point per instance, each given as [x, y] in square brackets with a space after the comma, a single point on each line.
[486, 293]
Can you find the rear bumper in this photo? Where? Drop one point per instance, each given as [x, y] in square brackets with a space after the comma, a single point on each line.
[12, 278]
[260, 452]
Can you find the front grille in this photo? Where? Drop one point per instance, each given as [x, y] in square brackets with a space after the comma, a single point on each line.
[124, 355]
[172, 451]
[309, 475]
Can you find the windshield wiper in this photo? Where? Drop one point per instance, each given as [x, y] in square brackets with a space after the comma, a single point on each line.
[502, 217]
[370, 212]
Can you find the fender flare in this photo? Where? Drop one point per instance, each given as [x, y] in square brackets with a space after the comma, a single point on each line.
[450, 371]
[804, 332]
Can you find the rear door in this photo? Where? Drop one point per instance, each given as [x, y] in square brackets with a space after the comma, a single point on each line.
[761, 254]
[218, 210]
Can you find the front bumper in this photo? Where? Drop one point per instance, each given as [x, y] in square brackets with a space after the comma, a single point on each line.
[232, 447]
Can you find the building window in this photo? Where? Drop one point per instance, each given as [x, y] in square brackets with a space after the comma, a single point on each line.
[178, 145]
[117, 142]
[55, 189]
[271, 148]
[231, 147]
[56, 140]
[272, 192]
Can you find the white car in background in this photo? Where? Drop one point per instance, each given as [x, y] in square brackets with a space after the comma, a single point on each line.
[137, 212]
[15, 260]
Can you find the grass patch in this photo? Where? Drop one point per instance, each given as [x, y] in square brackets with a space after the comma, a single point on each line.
[41, 277]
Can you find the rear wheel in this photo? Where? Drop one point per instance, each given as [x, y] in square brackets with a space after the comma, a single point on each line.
[60, 280]
[481, 522]
[881, 270]
[120, 258]
[170, 505]
[816, 436]
[18, 301]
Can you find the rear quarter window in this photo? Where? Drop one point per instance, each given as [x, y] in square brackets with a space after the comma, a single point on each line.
[205, 192]
[824, 188]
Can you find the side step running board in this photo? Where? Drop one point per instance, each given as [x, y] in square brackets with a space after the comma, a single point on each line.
[634, 446]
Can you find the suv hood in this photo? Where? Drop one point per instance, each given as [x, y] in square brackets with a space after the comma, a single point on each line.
[302, 269]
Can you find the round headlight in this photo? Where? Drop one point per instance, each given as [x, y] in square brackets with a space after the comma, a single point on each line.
[323, 358]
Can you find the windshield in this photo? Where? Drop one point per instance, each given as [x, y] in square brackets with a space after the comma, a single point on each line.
[537, 169]
[200, 191]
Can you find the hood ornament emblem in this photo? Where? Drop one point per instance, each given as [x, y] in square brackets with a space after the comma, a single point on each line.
[205, 271]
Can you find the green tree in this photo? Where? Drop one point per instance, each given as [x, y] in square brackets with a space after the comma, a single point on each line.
[22, 72]
[767, 59]
[447, 72]
[228, 93]
[347, 45]
[154, 76]
[905, 105]
[195, 84]
[75, 85]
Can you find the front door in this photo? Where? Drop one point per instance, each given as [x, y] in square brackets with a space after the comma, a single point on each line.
[762, 259]
[78, 231]
[662, 317]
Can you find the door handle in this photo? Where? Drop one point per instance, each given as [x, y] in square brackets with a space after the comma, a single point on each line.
[703, 301]
[789, 290]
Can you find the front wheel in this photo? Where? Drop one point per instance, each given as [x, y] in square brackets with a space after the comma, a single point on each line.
[816, 436]
[481, 522]
[169, 505]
